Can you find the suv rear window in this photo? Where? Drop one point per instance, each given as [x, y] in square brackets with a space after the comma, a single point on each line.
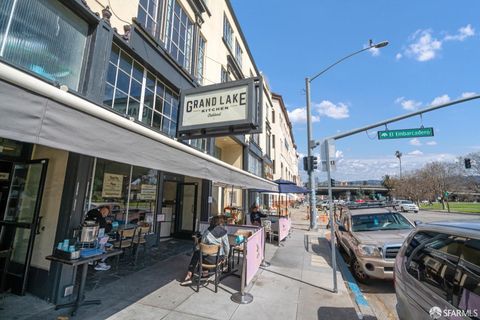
[379, 221]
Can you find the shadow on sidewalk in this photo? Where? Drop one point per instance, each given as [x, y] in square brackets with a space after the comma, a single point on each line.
[325, 313]
[298, 280]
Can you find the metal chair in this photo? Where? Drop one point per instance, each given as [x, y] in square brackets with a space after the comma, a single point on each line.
[126, 240]
[267, 226]
[209, 250]
[139, 240]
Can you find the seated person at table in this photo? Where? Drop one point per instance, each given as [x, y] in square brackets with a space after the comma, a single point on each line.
[215, 234]
[98, 215]
[256, 215]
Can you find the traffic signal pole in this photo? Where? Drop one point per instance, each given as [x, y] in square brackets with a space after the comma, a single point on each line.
[310, 146]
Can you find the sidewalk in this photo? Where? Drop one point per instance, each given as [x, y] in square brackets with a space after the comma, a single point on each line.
[296, 286]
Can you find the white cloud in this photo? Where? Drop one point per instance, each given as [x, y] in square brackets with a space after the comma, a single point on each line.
[398, 56]
[338, 154]
[440, 100]
[416, 153]
[463, 33]
[415, 142]
[431, 143]
[424, 46]
[407, 104]
[299, 115]
[331, 110]
[468, 94]
[375, 167]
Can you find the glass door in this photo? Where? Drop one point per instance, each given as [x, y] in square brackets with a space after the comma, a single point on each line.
[19, 224]
[187, 205]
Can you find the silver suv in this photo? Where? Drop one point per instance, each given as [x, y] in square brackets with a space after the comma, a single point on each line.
[437, 272]
[371, 238]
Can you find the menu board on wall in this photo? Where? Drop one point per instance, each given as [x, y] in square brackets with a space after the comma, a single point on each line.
[112, 185]
[148, 192]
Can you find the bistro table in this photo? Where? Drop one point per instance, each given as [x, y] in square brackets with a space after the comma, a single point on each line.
[231, 259]
[80, 301]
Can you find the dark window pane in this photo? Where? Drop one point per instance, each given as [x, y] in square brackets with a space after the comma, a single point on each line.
[142, 16]
[147, 116]
[150, 81]
[160, 90]
[133, 108]
[120, 103]
[108, 97]
[123, 81]
[136, 89]
[167, 109]
[126, 62]
[149, 98]
[159, 104]
[166, 126]
[114, 55]
[157, 120]
[137, 72]
[112, 72]
[468, 297]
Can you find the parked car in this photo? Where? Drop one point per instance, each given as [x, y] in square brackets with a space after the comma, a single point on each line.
[405, 206]
[437, 271]
[370, 239]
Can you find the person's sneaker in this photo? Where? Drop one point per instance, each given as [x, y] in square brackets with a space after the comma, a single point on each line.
[102, 267]
[186, 282]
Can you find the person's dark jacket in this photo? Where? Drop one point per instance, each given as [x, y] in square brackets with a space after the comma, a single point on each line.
[217, 235]
[96, 215]
[256, 217]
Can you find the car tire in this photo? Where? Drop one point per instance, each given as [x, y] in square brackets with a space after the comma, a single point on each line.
[357, 271]
[416, 211]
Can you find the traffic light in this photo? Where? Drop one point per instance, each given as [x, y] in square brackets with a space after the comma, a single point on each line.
[314, 163]
[332, 181]
[306, 164]
[468, 164]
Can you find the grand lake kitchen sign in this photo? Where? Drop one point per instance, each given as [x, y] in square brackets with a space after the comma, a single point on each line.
[221, 109]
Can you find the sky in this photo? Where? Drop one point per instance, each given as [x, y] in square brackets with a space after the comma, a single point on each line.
[433, 57]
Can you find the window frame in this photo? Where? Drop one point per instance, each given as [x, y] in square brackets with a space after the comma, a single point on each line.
[227, 32]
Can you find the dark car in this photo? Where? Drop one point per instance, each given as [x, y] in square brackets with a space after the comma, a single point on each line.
[437, 272]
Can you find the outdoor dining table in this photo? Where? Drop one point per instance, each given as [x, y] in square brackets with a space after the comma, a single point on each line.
[231, 259]
[83, 262]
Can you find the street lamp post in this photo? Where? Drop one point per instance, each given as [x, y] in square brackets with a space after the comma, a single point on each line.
[398, 154]
[311, 145]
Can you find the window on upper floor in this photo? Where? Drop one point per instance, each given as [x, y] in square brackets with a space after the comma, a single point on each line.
[286, 145]
[268, 137]
[179, 35]
[273, 116]
[224, 77]
[217, 152]
[274, 166]
[133, 90]
[273, 141]
[254, 165]
[150, 16]
[201, 59]
[45, 38]
[200, 144]
[255, 137]
[238, 53]
[227, 32]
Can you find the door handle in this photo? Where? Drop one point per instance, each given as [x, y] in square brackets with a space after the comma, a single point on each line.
[39, 221]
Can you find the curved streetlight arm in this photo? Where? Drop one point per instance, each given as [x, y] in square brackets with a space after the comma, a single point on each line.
[381, 44]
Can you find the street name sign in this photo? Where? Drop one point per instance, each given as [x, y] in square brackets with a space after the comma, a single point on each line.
[405, 133]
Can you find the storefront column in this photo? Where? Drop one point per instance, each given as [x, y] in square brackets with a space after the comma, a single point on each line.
[206, 206]
[77, 181]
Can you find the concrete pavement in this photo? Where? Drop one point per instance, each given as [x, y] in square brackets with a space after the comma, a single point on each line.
[297, 285]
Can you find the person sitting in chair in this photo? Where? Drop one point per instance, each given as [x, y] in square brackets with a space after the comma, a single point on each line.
[99, 216]
[256, 215]
[215, 234]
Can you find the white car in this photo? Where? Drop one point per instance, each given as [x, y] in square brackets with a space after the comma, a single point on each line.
[405, 205]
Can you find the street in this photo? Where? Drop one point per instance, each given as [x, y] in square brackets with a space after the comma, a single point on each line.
[381, 294]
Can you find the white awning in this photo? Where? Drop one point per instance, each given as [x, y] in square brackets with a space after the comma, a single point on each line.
[36, 112]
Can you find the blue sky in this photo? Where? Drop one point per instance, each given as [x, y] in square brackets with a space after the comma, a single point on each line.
[433, 56]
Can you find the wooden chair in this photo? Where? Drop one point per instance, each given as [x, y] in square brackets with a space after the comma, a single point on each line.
[209, 250]
[240, 248]
[139, 240]
[126, 239]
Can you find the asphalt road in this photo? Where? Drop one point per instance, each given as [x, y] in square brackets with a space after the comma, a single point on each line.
[381, 294]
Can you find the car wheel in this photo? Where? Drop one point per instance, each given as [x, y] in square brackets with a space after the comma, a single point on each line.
[358, 272]
[416, 211]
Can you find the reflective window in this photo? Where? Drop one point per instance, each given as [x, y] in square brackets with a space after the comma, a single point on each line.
[200, 144]
[201, 59]
[149, 14]
[227, 32]
[467, 298]
[238, 53]
[254, 165]
[432, 260]
[134, 91]
[44, 37]
[179, 39]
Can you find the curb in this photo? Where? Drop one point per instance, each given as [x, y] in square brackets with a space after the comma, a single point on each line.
[366, 311]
